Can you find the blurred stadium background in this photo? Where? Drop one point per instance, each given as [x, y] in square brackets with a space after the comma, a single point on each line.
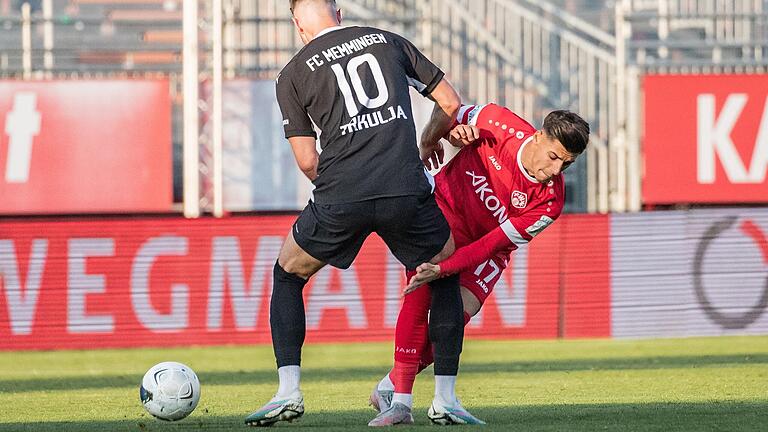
[145, 184]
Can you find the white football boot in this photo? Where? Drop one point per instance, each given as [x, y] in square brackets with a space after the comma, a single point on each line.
[380, 400]
[455, 414]
[396, 414]
[278, 409]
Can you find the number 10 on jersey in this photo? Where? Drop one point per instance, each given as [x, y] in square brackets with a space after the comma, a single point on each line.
[359, 91]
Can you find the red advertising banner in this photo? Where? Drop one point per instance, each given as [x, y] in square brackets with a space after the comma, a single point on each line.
[85, 147]
[135, 282]
[706, 139]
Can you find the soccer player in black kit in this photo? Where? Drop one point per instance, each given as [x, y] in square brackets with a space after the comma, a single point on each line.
[353, 84]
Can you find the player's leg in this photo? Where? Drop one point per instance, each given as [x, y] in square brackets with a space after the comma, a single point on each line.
[411, 336]
[321, 234]
[413, 353]
[416, 232]
[288, 324]
[471, 307]
[476, 286]
[446, 407]
[446, 326]
[286, 311]
[425, 225]
[392, 396]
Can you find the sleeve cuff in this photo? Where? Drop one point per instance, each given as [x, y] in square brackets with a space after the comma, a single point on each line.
[307, 133]
[435, 81]
[512, 234]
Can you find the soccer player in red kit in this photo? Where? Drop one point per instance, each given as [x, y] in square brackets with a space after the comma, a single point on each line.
[502, 189]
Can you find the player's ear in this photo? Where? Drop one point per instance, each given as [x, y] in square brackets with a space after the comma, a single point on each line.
[298, 25]
[338, 15]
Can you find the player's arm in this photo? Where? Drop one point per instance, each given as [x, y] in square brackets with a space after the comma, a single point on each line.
[305, 152]
[490, 123]
[463, 135]
[297, 126]
[447, 104]
[465, 257]
[430, 81]
[509, 235]
[465, 130]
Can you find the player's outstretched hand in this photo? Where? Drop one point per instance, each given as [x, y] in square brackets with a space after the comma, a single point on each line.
[425, 273]
[463, 135]
[432, 156]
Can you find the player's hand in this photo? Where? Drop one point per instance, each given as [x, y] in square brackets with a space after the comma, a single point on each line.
[463, 135]
[425, 273]
[432, 156]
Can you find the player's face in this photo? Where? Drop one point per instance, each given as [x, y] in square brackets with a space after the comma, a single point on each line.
[550, 158]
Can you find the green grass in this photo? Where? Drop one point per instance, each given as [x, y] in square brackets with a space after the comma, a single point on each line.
[705, 384]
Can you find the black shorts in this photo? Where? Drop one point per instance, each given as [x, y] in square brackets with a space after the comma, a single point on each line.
[413, 227]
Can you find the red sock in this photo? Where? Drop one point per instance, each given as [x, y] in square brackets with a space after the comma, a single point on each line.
[403, 375]
[427, 356]
[411, 335]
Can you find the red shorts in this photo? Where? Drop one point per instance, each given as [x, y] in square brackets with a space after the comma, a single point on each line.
[481, 280]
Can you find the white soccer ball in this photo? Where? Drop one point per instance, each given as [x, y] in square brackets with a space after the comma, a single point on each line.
[170, 391]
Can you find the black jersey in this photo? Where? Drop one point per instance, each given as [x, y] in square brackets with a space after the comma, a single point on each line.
[353, 83]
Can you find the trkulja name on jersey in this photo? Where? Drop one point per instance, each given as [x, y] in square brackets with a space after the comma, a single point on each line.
[488, 188]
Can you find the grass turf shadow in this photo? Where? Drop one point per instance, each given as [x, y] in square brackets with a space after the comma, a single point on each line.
[310, 374]
[709, 416]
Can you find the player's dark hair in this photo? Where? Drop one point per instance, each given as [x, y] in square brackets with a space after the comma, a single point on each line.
[295, 2]
[568, 128]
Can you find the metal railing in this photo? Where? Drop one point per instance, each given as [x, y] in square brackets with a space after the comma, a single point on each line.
[695, 36]
[531, 56]
[86, 41]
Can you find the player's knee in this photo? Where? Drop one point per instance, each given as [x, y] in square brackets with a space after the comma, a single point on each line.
[448, 249]
[471, 304]
[298, 266]
[446, 329]
[294, 260]
[287, 273]
[447, 339]
[290, 266]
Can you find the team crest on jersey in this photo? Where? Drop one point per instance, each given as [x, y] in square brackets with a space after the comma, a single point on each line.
[519, 199]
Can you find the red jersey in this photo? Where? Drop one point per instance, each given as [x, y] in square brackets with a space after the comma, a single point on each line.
[490, 201]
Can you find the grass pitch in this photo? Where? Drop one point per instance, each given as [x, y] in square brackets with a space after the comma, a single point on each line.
[705, 384]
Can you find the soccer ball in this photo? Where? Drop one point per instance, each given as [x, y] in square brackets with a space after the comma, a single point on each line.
[170, 391]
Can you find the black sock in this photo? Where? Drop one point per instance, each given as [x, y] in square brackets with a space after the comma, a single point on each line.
[286, 317]
[446, 324]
